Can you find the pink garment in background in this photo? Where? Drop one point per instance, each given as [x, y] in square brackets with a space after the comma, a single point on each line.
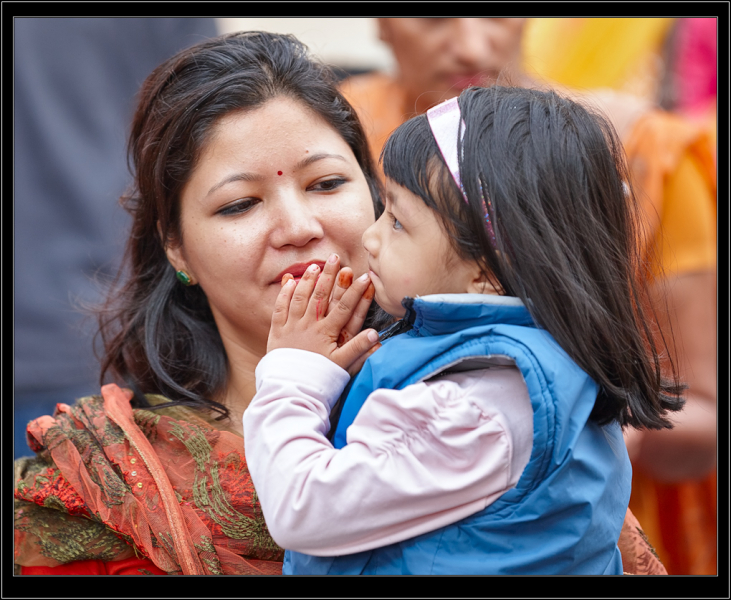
[696, 65]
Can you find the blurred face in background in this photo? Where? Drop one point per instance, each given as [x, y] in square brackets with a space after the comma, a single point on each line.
[438, 58]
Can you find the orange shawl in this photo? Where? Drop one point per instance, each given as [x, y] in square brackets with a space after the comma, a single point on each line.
[110, 482]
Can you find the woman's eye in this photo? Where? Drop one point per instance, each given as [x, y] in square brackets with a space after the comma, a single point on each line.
[328, 185]
[238, 207]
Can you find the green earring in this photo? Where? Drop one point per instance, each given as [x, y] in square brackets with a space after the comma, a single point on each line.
[183, 278]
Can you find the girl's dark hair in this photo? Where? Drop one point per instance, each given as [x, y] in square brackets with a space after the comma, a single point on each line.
[553, 178]
[159, 336]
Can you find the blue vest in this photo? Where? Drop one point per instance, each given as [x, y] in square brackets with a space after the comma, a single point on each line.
[565, 514]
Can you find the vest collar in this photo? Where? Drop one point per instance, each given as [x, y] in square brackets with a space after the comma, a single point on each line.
[440, 314]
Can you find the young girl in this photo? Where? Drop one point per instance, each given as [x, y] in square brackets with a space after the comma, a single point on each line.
[485, 435]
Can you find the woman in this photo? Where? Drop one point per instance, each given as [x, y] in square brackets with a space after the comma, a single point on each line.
[248, 164]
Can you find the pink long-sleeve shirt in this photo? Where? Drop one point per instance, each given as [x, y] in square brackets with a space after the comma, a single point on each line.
[416, 460]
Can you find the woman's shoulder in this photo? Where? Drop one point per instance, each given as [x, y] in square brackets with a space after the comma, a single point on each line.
[161, 405]
[52, 527]
[100, 455]
[154, 405]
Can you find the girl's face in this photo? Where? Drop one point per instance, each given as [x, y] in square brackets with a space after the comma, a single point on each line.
[275, 190]
[409, 254]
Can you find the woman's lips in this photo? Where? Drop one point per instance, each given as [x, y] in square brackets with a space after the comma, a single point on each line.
[298, 269]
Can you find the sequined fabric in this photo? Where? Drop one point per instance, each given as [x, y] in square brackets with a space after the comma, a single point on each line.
[638, 556]
[109, 483]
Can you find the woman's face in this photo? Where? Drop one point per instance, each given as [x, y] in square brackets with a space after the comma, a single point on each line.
[275, 190]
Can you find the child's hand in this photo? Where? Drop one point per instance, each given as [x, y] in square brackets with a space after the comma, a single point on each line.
[310, 315]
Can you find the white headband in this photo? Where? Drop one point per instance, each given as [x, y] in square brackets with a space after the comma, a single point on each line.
[445, 121]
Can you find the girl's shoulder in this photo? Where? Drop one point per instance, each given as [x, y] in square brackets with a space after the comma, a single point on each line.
[459, 400]
[498, 392]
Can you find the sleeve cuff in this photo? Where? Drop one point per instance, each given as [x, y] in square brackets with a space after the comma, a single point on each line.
[305, 369]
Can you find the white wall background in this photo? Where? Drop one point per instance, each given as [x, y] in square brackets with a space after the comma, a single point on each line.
[351, 43]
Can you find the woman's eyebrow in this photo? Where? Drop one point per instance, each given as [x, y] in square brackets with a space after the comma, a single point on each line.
[315, 157]
[251, 177]
[235, 177]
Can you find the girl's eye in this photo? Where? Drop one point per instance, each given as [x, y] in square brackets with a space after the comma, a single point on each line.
[396, 224]
[328, 185]
[239, 207]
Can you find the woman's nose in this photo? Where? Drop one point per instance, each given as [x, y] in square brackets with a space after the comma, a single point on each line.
[295, 223]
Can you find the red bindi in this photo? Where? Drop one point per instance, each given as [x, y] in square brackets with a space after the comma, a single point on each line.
[279, 172]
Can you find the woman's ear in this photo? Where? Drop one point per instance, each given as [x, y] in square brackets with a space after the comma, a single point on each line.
[174, 252]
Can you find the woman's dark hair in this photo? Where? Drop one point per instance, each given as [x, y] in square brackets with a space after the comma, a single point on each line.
[159, 336]
[552, 176]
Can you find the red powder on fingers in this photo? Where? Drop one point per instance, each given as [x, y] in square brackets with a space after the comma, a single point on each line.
[317, 310]
[345, 278]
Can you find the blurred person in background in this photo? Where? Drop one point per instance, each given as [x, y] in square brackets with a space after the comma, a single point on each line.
[672, 165]
[75, 82]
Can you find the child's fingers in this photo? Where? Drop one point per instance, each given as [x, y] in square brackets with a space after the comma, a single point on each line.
[355, 367]
[342, 310]
[318, 304]
[303, 291]
[360, 313]
[348, 355]
[342, 283]
[281, 305]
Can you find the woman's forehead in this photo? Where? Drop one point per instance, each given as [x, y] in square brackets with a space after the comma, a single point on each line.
[282, 126]
[272, 142]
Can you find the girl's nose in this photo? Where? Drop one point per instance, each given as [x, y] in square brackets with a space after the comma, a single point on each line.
[295, 222]
[370, 239]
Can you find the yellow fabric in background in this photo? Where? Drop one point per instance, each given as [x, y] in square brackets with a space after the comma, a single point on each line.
[594, 53]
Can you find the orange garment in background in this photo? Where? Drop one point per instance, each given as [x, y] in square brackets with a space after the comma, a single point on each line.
[673, 164]
[674, 173]
[381, 106]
